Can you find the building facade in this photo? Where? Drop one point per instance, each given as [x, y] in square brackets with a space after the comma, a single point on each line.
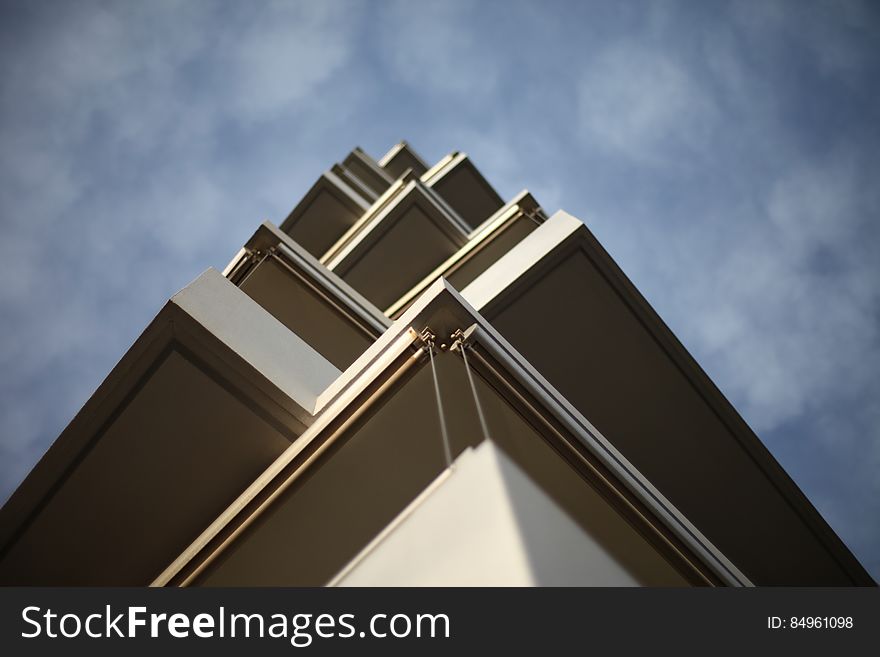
[410, 381]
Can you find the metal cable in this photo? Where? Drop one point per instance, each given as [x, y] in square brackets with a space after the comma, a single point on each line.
[447, 452]
[479, 406]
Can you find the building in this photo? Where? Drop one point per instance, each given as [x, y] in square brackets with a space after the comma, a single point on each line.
[410, 381]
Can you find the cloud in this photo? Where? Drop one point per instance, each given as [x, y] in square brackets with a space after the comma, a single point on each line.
[436, 50]
[837, 34]
[641, 104]
[816, 206]
[283, 56]
[795, 305]
[775, 291]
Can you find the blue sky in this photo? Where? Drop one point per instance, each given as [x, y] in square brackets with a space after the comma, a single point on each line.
[727, 154]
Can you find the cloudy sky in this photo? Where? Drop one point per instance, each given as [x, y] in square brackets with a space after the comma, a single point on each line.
[727, 154]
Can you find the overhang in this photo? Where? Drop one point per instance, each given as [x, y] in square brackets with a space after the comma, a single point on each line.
[392, 249]
[464, 188]
[306, 297]
[189, 416]
[327, 210]
[401, 157]
[376, 445]
[486, 244]
[367, 171]
[563, 303]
